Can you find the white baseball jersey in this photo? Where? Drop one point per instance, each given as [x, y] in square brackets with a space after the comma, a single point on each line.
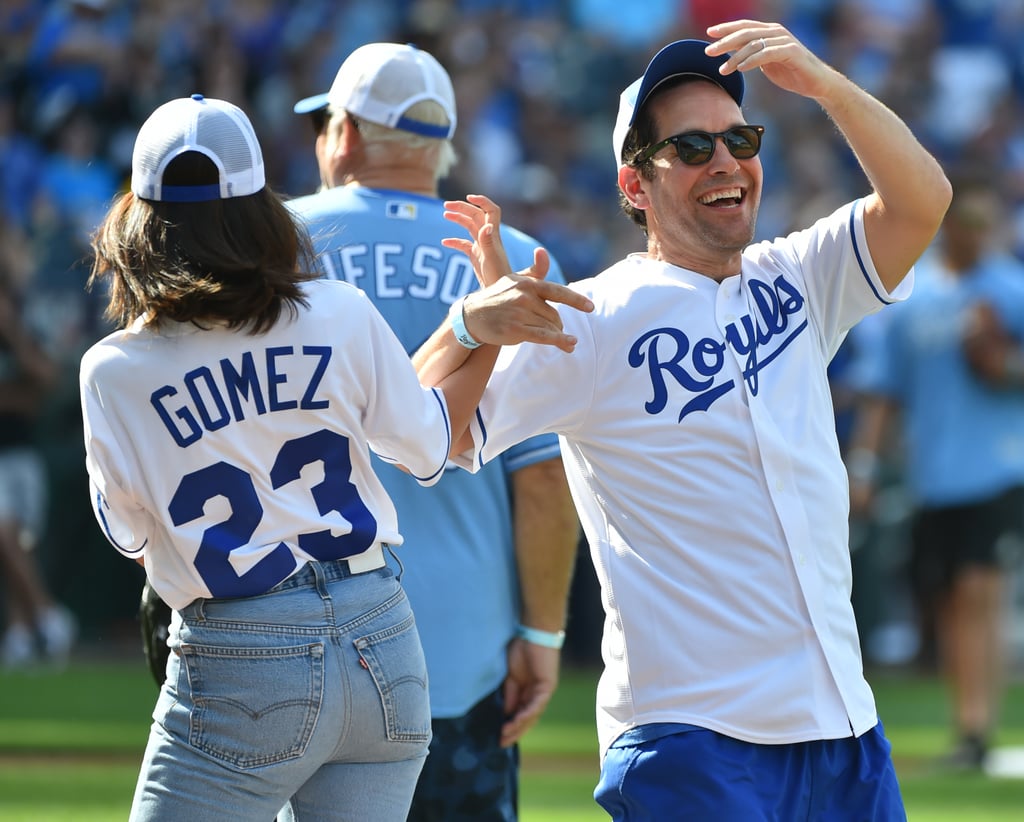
[228, 460]
[698, 437]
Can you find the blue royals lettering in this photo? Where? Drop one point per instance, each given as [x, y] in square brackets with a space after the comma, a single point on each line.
[669, 354]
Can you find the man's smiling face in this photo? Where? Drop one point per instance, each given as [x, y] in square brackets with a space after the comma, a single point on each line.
[700, 217]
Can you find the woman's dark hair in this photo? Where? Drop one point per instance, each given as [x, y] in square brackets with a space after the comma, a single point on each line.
[238, 261]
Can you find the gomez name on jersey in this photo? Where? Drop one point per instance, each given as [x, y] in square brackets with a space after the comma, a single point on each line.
[211, 397]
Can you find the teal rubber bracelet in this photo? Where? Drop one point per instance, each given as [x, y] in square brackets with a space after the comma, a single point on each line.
[459, 326]
[548, 639]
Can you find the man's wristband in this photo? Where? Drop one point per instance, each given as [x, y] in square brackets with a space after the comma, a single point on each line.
[862, 465]
[459, 325]
[548, 639]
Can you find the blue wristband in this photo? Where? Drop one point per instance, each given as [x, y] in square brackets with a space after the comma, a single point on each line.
[548, 639]
[459, 326]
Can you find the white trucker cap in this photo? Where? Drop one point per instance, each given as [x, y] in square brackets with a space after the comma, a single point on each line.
[215, 128]
[380, 82]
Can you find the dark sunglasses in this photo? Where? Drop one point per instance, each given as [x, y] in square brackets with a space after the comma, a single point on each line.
[318, 117]
[697, 147]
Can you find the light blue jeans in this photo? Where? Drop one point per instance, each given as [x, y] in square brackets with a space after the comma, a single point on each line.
[308, 702]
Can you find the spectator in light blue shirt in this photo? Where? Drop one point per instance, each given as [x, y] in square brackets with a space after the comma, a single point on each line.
[951, 360]
[487, 557]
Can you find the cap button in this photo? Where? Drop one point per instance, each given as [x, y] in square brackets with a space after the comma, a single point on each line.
[197, 97]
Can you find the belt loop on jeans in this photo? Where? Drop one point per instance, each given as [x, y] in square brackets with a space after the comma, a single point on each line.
[321, 579]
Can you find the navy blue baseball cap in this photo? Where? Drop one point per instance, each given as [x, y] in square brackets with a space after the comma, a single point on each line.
[683, 57]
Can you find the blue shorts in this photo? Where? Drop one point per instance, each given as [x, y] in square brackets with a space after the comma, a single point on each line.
[690, 773]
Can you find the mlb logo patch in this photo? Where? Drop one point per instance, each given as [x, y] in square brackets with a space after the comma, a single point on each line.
[401, 210]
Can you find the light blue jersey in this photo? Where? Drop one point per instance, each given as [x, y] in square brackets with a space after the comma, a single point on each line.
[458, 557]
[965, 438]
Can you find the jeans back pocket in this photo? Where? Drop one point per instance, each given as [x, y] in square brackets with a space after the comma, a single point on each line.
[254, 706]
[394, 658]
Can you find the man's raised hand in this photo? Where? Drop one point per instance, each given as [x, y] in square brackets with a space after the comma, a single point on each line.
[511, 307]
[481, 217]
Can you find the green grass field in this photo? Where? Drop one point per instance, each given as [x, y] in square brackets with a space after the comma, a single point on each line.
[70, 743]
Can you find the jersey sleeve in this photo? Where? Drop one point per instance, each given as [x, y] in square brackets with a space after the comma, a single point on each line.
[535, 449]
[833, 261]
[405, 424]
[124, 522]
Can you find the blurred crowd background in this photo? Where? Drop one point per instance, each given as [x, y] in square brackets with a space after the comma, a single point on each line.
[537, 83]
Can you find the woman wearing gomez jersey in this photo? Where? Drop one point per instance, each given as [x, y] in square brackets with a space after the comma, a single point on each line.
[228, 425]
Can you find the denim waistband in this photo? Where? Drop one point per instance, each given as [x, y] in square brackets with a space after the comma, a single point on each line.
[314, 574]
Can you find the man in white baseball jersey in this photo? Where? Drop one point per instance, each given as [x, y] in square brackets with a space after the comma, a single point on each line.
[228, 428]
[699, 441]
[487, 559]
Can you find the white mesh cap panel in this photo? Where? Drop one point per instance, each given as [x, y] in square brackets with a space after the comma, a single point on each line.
[215, 128]
[232, 140]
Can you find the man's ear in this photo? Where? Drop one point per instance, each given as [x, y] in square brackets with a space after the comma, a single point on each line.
[631, 184]
[351, 139]
[339, 149]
